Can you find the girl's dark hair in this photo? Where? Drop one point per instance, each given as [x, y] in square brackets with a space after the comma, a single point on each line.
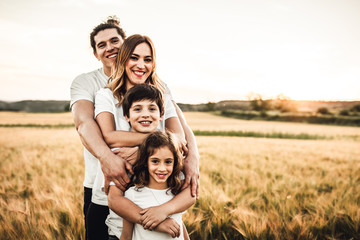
[153, 142]
[111, 22]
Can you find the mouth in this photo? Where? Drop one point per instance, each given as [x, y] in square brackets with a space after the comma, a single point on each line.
[112, 56]
[161, 175]
[139, 73]
[145, 123]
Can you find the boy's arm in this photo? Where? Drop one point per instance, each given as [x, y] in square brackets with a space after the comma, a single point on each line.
[113, 166]
[117, 138]
[191, 161]
[151, 216]
[131, 212]
[127, 231]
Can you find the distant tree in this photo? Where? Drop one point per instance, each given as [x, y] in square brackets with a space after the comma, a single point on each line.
[257, 103]
[67, 108]
[323, 111]
[284, 104]
[344, 112]
[210, 106]
[355, 108]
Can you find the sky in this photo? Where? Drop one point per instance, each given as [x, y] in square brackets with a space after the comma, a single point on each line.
[207, 50]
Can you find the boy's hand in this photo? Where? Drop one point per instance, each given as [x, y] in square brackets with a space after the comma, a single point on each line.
[114, 169]
[169, 226]
[152, 216]
[191, 175]
[128, 153]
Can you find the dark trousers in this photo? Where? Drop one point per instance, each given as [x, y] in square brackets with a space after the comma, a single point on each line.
[95, 219]
[87, 201]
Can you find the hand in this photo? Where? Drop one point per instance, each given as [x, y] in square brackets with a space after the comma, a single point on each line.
[192, 175]
[169, 226]
[130, 154]
[114, 169]
[152, 216]
[182, 144]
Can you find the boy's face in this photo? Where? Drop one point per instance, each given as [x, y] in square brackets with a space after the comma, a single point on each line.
[144, 116]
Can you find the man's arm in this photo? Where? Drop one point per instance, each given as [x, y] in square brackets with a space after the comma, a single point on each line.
[191, 161]
[112, 166]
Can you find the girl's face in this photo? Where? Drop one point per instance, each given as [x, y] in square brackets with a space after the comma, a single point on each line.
[160, 166]
[140, 65]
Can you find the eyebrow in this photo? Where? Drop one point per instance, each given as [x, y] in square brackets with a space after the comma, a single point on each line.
[137, 55]
[113, 38]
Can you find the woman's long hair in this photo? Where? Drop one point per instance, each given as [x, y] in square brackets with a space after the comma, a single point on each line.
[118, 78]
[153, 142]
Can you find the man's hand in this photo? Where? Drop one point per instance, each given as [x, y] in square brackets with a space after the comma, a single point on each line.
[152, 216]
[169, 226]
[129, 154]
[114, 169]
[192, 175]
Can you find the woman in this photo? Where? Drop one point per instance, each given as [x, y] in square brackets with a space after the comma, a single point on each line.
[135, 64]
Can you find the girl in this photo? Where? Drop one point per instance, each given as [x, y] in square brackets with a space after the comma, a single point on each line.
[157, 179]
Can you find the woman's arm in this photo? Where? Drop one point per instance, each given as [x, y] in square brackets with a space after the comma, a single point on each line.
[127, 231]
[117, 138]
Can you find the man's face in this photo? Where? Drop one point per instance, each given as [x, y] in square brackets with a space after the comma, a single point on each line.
[107, 44]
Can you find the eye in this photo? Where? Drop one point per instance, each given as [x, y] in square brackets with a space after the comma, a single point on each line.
[169, 162]
[115, 40]
[134, 58]
[101, 45]
[148, 60]
[137, 109]
[154, 161]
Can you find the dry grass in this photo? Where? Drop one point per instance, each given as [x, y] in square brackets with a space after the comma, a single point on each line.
[251, 188]
[35, 118]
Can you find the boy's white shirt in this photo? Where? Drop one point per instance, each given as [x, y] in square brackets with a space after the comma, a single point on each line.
[105, 102]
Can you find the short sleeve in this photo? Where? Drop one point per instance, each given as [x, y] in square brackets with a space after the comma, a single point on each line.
[78, 91]
[167, 91]
[104, 102]
[169, 107]
[129, 194]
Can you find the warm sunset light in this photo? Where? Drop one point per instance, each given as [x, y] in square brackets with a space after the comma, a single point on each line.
[206, 50]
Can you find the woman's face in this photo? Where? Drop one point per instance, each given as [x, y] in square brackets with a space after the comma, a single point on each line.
[139, 66]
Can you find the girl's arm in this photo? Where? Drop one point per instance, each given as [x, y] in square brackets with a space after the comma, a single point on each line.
[131, 212]
[117, 138]
[152, 216]
[185, 232]
[127, 230]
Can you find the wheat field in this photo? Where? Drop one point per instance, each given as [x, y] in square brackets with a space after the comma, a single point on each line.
[251, 188]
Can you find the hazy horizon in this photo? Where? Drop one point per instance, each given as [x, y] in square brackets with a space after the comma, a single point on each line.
[207, 51]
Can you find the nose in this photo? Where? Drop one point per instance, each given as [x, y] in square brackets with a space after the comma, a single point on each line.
[140, 64]
[109, 47]
[162, 167]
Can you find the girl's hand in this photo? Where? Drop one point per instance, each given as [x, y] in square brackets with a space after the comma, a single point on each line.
[152, 217]
[169, 226]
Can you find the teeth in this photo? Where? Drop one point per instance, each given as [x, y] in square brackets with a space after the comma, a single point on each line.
[112, 56]
[139, 73]
[145, 122]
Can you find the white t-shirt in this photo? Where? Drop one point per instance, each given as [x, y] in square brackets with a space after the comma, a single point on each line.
[84, 87]
[105, 102]
[147, 197]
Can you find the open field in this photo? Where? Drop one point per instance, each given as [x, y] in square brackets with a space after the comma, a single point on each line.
[251, 188]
